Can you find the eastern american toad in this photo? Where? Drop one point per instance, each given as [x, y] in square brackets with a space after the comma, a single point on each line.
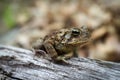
[61, 45]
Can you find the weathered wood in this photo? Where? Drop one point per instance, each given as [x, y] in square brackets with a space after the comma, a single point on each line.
[21, 64]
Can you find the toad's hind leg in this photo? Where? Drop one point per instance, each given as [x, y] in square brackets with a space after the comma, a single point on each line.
[54, 55]
[50, 50]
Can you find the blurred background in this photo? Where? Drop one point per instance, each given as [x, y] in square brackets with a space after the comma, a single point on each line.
[22, 22]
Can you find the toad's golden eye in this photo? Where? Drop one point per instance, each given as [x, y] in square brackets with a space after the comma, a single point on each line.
[75, 32]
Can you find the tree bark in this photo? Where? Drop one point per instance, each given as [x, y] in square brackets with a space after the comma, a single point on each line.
[21, 64]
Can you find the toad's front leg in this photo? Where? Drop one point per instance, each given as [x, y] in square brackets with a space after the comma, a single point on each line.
[64, 57]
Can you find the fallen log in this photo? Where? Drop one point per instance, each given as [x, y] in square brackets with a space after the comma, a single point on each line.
[21, 64]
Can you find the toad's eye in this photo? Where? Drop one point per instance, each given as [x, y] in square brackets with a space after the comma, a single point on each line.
[75, 32]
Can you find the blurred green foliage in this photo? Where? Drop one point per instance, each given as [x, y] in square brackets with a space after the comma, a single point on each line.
[8, 17]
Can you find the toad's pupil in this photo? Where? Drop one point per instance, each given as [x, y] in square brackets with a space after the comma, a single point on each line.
[75, 32]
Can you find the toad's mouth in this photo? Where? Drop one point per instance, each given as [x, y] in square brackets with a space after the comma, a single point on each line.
[80, 43]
